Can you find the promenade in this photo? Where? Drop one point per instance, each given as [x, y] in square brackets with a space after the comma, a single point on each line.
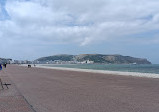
[11, 100]
[69, 91]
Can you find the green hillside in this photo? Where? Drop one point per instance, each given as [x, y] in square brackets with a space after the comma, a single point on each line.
[97, 58]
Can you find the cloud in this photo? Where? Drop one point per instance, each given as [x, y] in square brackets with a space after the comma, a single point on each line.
[82, 22]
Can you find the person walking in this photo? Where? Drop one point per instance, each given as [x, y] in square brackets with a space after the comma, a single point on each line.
[5, 65]
[0, 67]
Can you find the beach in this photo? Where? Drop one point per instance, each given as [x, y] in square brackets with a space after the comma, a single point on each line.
[136, 74]
[61, 90]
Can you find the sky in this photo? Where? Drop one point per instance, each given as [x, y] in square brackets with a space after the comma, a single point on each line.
[30, 29]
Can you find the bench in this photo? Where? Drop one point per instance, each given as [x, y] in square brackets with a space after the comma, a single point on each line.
[2, 84]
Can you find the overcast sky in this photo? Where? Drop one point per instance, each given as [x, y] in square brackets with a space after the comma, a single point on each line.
[30, 29]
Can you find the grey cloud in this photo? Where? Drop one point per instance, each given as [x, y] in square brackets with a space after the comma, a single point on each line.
[77, 21]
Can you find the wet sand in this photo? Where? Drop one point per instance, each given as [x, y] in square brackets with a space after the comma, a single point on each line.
[49, 90]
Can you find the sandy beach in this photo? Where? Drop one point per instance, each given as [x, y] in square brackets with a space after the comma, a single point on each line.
[55, 90]
[136, 74]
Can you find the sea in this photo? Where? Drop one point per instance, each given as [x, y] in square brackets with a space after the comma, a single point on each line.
[150, 68]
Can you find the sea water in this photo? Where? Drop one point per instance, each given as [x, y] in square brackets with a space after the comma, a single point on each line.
[152, 68]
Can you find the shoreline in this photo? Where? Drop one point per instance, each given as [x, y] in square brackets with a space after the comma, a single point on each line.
[136, 74]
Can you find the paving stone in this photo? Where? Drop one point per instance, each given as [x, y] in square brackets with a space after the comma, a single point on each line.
[11, 99]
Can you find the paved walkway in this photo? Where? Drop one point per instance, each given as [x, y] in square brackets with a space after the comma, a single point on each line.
[10, 99]
[65, 91]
